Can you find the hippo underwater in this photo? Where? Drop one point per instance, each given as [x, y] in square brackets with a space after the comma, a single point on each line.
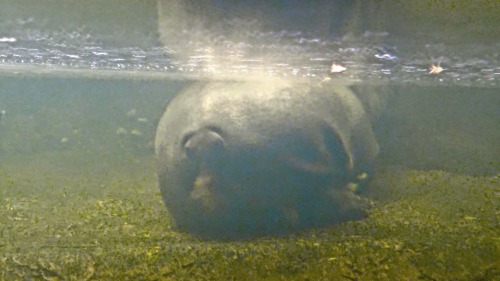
[239, 159]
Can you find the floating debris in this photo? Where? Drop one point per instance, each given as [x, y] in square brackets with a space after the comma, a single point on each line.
[121, 131]
[435, 69]
[136, 132]
[337, 68]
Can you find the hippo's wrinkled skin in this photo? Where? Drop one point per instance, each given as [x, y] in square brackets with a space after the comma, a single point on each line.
[242, 159]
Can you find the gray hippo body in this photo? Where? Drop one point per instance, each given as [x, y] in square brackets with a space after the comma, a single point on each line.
[243, 159]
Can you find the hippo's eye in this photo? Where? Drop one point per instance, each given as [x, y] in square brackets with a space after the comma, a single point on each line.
[215, 129]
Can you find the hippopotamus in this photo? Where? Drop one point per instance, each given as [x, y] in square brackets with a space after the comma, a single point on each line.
[240, 159]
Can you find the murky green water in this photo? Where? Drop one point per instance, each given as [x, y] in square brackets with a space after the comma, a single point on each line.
[79, 198]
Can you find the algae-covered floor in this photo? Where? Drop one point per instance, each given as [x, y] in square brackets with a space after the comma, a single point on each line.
[102, 218]
[79, 199]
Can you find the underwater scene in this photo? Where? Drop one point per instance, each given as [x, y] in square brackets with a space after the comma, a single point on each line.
[96, 96]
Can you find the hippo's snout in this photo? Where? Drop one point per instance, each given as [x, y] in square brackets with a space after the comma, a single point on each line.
[204, 143]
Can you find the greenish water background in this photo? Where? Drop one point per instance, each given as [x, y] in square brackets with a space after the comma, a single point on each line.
[89, 208]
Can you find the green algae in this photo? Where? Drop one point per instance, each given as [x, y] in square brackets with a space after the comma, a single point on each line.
[83, 223]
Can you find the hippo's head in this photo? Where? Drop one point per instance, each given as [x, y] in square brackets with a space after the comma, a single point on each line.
[239, 159]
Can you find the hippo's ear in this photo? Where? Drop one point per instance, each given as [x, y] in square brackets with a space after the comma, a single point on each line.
[363, 148]
[325, 152]
[354, 150]
[338, 148]
[355, 132]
